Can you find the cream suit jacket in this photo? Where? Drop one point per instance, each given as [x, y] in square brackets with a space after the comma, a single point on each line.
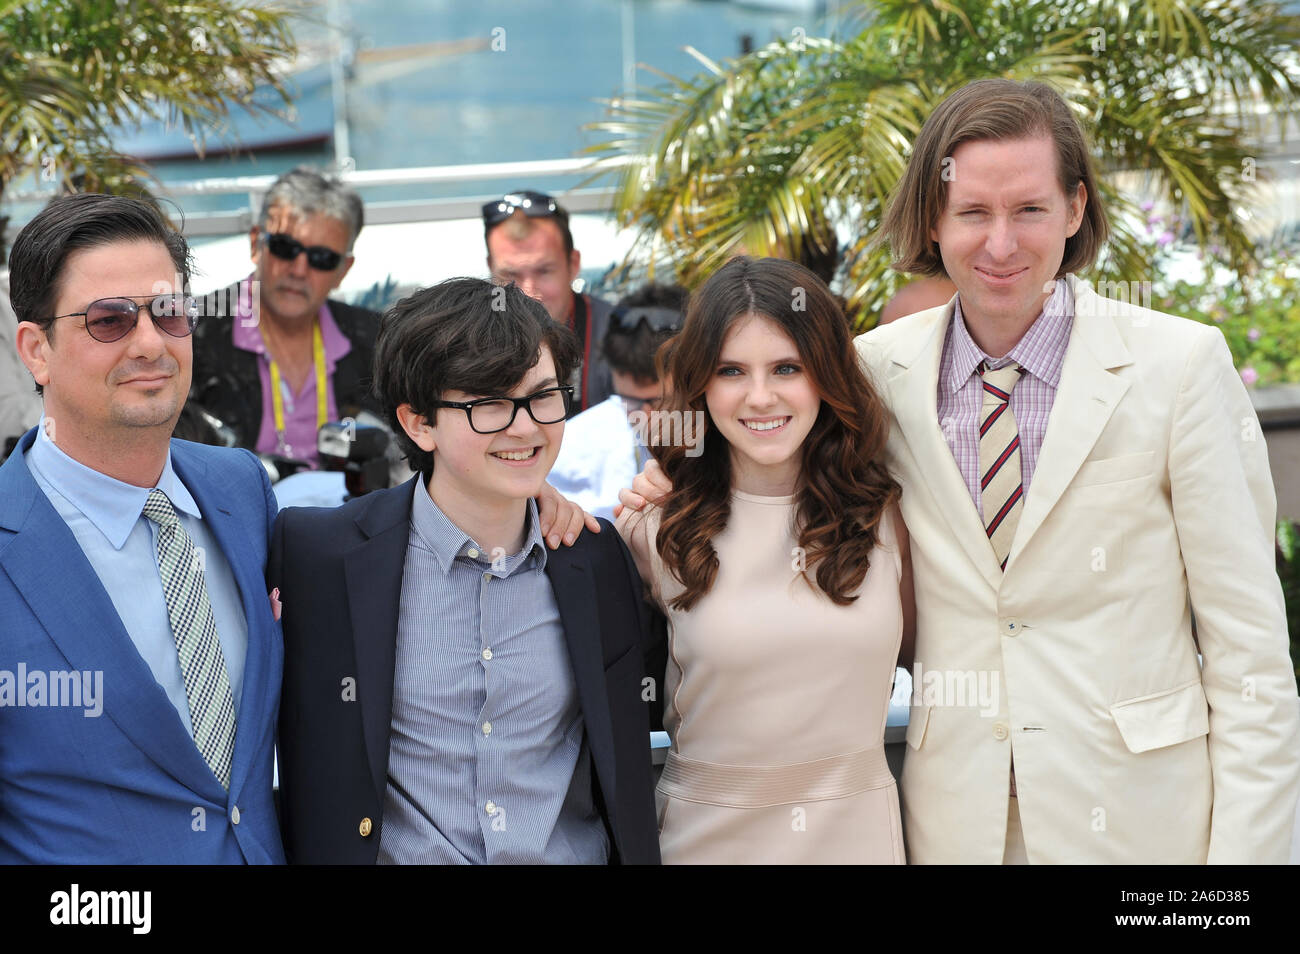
[1151, 501]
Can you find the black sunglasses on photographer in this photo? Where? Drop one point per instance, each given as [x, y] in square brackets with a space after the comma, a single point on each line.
[659, 319]
[319, 257]
[536, 205]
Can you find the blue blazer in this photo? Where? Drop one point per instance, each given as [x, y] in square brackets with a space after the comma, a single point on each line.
[129, 786]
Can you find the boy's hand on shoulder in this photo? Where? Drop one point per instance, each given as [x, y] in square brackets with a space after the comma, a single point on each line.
[560, 518]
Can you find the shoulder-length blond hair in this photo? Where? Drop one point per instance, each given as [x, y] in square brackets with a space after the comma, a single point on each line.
[997, 109]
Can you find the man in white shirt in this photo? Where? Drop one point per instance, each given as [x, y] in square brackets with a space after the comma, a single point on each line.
[604, 446]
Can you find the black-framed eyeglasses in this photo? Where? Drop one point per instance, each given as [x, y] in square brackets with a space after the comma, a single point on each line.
[111, 319]
[489, 415]
[536, 205]
[320, 257]
[659, 319]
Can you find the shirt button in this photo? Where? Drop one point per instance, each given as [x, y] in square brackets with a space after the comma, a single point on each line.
[999, 730]
[1011, 626]
[486, 577]
[490, 808]
[473, 554]
[234, 815]
[487, 728]
[487, 654]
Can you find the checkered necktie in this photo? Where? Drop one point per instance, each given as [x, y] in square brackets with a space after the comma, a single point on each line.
[203, 665]
[1001, 491]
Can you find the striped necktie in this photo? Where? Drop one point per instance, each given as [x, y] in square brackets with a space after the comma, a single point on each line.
[203, 665]
[1002, 491]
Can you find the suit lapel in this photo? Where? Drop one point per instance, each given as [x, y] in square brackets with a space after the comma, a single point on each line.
[1085, 400]
[570, 573]
[65, 595]
[913, 393]
[218, 506]
[373, 571]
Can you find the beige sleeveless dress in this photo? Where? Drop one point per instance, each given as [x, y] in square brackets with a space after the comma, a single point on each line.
[775, 701]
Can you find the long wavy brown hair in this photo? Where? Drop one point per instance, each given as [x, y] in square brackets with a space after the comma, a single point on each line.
[843, 487]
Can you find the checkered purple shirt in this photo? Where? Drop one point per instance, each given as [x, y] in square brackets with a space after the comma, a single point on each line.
[1040, 354]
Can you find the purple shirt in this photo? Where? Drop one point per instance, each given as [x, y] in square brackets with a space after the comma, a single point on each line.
[1040, 354]
[300, 425]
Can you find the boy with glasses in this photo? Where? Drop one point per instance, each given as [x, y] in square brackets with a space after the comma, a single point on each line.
[275, 357]
[529, 243]
[454, 693]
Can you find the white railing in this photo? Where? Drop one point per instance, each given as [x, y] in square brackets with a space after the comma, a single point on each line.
[528, 173]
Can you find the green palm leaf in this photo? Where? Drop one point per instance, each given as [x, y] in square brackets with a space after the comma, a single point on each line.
[768, 150]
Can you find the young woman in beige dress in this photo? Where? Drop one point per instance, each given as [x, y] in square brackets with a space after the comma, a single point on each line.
[781, 561]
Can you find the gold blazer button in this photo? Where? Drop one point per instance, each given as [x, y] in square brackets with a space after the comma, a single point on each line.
[365, 827]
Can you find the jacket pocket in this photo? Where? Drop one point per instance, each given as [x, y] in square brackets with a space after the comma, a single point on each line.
[1165, 718]
[918, 718]
[1114, 469]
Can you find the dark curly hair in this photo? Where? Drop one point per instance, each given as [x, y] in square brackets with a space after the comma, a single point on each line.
[843, 487]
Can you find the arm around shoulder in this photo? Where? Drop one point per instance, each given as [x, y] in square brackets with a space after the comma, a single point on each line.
[906, 590]
[636, 527]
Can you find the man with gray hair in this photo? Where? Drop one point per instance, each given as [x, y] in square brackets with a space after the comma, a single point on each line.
[274, 357]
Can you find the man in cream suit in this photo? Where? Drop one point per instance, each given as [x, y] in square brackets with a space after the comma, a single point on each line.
[1081, 479]
[1090, 506]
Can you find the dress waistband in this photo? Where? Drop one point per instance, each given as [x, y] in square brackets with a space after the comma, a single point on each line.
[760, 786]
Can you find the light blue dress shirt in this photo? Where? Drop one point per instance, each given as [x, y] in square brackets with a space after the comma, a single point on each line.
[104, 515]
[488, 760]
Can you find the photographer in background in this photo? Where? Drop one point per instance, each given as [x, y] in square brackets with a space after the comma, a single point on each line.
[603, 446]
[274, 357]
[529, 243]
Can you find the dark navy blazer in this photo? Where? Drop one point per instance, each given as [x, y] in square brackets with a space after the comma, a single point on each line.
[340, 577]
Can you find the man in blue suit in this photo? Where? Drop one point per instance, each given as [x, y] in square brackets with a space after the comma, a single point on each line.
[140, 658]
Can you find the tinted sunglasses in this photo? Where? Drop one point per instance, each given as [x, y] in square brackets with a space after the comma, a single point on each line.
[536, 205]
[659, 319]
[288, 248]
[110, 319]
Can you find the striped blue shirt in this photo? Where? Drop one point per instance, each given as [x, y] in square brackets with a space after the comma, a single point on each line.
[488, 761]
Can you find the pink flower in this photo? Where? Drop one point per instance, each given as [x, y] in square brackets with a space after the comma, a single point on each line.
[1146, 205]
[1254, 334]
[1249, 375]
[1165, 238]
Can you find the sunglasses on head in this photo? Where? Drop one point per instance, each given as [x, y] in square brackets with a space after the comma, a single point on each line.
[536, 205]
[110, 319]
[659, 319]
[287, 247]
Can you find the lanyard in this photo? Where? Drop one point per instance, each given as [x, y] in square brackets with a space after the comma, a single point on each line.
[322, 395]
